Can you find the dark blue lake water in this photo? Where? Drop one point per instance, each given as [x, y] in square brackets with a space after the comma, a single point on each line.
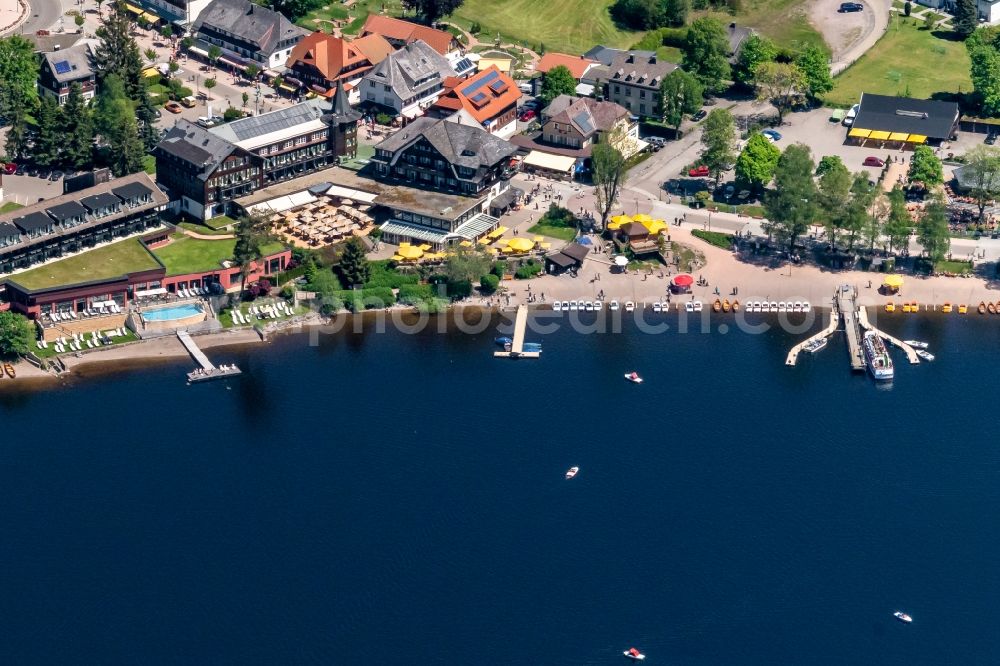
[399, 499]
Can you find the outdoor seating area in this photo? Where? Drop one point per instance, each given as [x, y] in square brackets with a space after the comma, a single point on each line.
[492, 243]
[275, 310]
[96, 309]
[321, 223]
[77, 341]
[653, 226]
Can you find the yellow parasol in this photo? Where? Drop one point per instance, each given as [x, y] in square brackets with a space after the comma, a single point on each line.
[410, 252]
[655, 226]
[621, 219]
[520, 244]
[894, 280]
[466, 243]
[397, 257]
[425, 247]
[642, 218]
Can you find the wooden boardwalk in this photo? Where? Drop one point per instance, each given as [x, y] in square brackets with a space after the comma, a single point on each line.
[793, 354]
[911, 355]
[847, 305]
[207, 370]
[517, 343]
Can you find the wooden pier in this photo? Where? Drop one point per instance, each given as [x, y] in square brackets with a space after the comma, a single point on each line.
[793, 355]
[208, 370]
[847, 305]
[517, 343]
[911, 355]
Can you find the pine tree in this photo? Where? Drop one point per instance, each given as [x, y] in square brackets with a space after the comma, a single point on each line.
[49, 137]
[116, 122]
[966, 18]
[118, 53]
[354, 268]
[145, 114]
[78, 125]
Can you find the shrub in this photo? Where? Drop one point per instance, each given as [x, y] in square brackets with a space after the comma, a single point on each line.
[231, 114]
[475, 28]
[557, 216]
[527, 270]
[414, 294]
[499, 269]
[381, 275]
[489, 283]
[378, 297]
[459, 288]
[907, 8]
[383, 119]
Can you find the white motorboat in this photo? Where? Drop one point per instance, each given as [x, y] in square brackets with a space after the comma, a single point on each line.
[598, 306]
[614, 305]
[633, 377]
[657, 307]
[815, 345]
[634, 654]
[689, 306]
[589, 305]
[665, 306]
[755, 306]
[773, 307]
[571, 472]
[573, 305]
[924, 354]
[557, 306]
[902, 617]
[629, 306]
[697, 306]
[916, 344]
[806, 307]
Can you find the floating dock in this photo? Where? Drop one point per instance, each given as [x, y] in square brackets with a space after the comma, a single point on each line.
[911, 355]
[848, 307]
[793, 355]
[208, 370]
[517, 344]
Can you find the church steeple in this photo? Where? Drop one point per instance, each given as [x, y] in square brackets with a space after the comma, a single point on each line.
[343, 123]
[340, 108]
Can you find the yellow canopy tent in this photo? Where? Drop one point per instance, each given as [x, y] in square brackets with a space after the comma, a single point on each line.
[879, 135]
[858, 133]
[425, 247]
[893, 280]
[655, 226]
[397, 257]
[410, 252]
[620, 219]
[898, 136]
[917, 138]
[520, 244]
[538, 239]
[497, 233]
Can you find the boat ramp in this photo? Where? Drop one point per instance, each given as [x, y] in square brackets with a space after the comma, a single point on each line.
[517, 343]
[208, 370]
[855, 318]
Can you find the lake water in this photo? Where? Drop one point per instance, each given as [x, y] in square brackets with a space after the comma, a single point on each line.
[399, 499]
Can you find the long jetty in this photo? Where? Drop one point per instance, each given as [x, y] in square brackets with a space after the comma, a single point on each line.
[793, 354]
[517, 343]
[208, 370]
[848, 306]
[911, 354]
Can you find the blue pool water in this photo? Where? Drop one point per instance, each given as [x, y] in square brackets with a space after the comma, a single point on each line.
[172, 313]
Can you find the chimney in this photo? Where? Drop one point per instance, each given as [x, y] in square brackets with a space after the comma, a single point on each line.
[732, 27]
[652, 60]
[630, 59]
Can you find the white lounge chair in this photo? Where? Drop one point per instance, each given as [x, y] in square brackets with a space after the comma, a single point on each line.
[90, 344]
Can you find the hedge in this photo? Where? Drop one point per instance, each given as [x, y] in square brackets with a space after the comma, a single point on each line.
[489, 283]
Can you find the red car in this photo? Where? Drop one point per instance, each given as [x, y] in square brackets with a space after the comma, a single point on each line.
[10, 168]
[526, 115]
[874, 161]
[699, 172]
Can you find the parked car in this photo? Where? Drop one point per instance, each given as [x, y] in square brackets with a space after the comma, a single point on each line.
[848, 7]
[699, 172]
[729, 191]
[873, 161]
[21, 169]
[173, 107]
[10, 168]
[699, 115]
[991, 138]
[852, 113]
[55, 175]
[772, 135]
[527, 115]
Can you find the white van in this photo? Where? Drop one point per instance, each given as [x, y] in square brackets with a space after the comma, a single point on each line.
[851, 115]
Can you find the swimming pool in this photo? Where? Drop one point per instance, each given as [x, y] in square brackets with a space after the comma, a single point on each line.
[173, 312]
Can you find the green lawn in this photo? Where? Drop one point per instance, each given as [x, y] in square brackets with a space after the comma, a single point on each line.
[110, 261]
[203, 229]
[562, 233]
[953, 267]
[220, 222]
[9, 206]
[906, 58]
[784, 21]
[50, 351]
[193, 255]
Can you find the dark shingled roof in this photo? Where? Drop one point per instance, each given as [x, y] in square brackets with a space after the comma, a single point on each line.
[33, 222]
[466, 146]
[196, 145]
[576, 251]
[102, 200]
[132, 191]
[258, 25]
[65, 211]
[561, 260]
[928, 117]
[8, 230]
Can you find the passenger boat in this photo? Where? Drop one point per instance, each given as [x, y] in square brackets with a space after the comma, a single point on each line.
[736, 306]
[503, 340]
[924, 354]
[815, 345]
[725, 305]
[571, 472]
[963, 308]
[891, 307]
[9, 369]
[717, 306]
[946, 307]
[634, 654]
[902, 617]
[982, 307]
[998, 307]
[992, 309]
[916, 344]
[633, 377]
[877, 356]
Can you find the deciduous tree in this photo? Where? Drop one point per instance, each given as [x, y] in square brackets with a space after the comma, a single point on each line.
[790, 208]
[834, 195]
[16, 334]
[781, 83]
[814, 63]
[925, 167]
[932, 230]
[898, 223]
[608, 169]
[757, 161]
[432, 10]
[828, 162]
[754, 51]
[680, 93]
[718, 137]
[982, 174]
[706, 53]
[856, 213]
[558, 81]
[466, 264]
[209, 84]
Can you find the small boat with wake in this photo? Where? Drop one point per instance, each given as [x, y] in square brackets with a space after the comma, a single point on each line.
[924, 354]
[902, 617]
[634, 654]
[916, 344]
[633, 377]
[571, 472]
[815, 345]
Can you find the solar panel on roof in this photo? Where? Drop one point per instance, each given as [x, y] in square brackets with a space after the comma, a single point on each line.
[62, 67]
[476, 85]
[499, 86]
[479, 99]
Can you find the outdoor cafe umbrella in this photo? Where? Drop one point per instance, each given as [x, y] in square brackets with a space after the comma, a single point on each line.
[410, 252]
[621, 261]
[620, 219]
[655, 226]
[682, 280]
[520, 244]
[642, 218]
[894, 281]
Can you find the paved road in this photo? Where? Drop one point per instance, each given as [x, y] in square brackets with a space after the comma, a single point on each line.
[44, 15]
[878, 10]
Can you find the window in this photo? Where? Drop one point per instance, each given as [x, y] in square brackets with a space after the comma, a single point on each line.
[642, 108]
[642, 94]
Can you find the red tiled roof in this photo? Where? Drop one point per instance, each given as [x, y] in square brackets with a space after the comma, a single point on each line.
[331, 55]
[577, 65]
[484, 95]
[393, 28]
